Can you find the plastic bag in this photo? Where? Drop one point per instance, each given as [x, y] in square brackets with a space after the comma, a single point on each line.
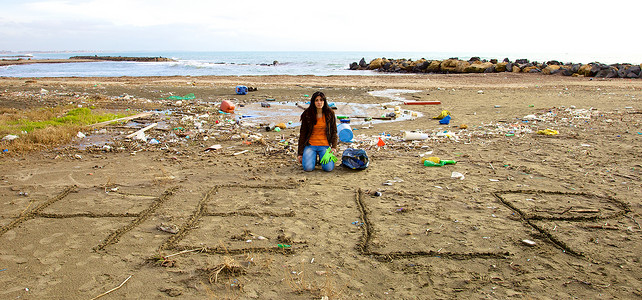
[189, 96]
[355, 159]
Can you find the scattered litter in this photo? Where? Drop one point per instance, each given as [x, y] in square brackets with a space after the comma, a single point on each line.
[140, 134]
[411, 136]
[421, 102]
[493, 180]
[355, 159]
[436, 162]
[529, 243]
[189, 96]
[213, 147]
[9, 137]
[391, 182]
[227, 106]
[445, 120]
[457, 175]
[241, 90]
[80, 135]
[548, 132]
[241, 152]
[442, 115]
[169, 228]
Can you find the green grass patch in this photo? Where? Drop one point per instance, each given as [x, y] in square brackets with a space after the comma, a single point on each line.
[74, 117]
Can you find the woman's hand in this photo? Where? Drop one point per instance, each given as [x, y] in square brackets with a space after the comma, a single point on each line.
[299, 158]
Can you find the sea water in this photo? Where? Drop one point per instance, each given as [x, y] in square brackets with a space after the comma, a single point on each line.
[193, 63]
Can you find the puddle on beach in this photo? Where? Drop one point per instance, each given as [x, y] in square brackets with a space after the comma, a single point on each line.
[393, 94]
[290, 112]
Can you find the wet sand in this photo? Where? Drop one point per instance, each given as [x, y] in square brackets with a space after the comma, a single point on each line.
[535, 216]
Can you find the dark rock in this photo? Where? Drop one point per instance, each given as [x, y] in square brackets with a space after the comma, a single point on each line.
[534, 70]
[474, 58]
[594, 69]
[421, 67]
[609, 72]
[554, 62]
[509, 67]
[354, 66]
[575, 68]
[567, 72]
[634, 69]
[362, 63]
[525, 65]
[490, 69]
[493, 61]
[521, 61]
[506, 60]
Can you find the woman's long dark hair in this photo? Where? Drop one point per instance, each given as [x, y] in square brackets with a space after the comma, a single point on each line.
[311, 111]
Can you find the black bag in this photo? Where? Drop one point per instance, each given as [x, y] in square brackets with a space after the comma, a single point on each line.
[355, 159]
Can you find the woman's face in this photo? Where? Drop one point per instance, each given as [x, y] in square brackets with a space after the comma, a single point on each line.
[318, 102]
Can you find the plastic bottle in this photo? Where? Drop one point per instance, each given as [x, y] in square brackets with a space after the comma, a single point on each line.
[431, 163]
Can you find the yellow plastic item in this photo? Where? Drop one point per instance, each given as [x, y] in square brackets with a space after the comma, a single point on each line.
[432, 159]
[442, 115]
[548, 132]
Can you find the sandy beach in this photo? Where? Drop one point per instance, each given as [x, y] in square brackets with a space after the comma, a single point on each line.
[521, 215]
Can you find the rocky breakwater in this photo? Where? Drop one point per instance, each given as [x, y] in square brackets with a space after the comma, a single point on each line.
[123, 58]
[477, 65]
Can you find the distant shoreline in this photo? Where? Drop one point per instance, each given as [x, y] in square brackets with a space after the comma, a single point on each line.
[80, 59]
[8, 62]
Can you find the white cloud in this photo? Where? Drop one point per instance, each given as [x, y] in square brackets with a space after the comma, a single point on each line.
[402, 25]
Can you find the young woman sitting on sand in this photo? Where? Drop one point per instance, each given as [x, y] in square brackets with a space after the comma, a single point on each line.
[318, 132]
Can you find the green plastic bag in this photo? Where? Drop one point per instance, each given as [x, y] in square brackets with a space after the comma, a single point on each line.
[189, 96]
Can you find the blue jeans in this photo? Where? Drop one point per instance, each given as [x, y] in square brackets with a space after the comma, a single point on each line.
[312, 154]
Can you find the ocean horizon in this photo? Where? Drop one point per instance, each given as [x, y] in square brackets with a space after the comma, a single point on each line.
[251, 63]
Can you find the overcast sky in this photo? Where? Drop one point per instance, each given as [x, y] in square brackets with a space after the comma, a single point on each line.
[439, 26]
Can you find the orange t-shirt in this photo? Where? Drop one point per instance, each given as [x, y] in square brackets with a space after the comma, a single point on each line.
[318, 137]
